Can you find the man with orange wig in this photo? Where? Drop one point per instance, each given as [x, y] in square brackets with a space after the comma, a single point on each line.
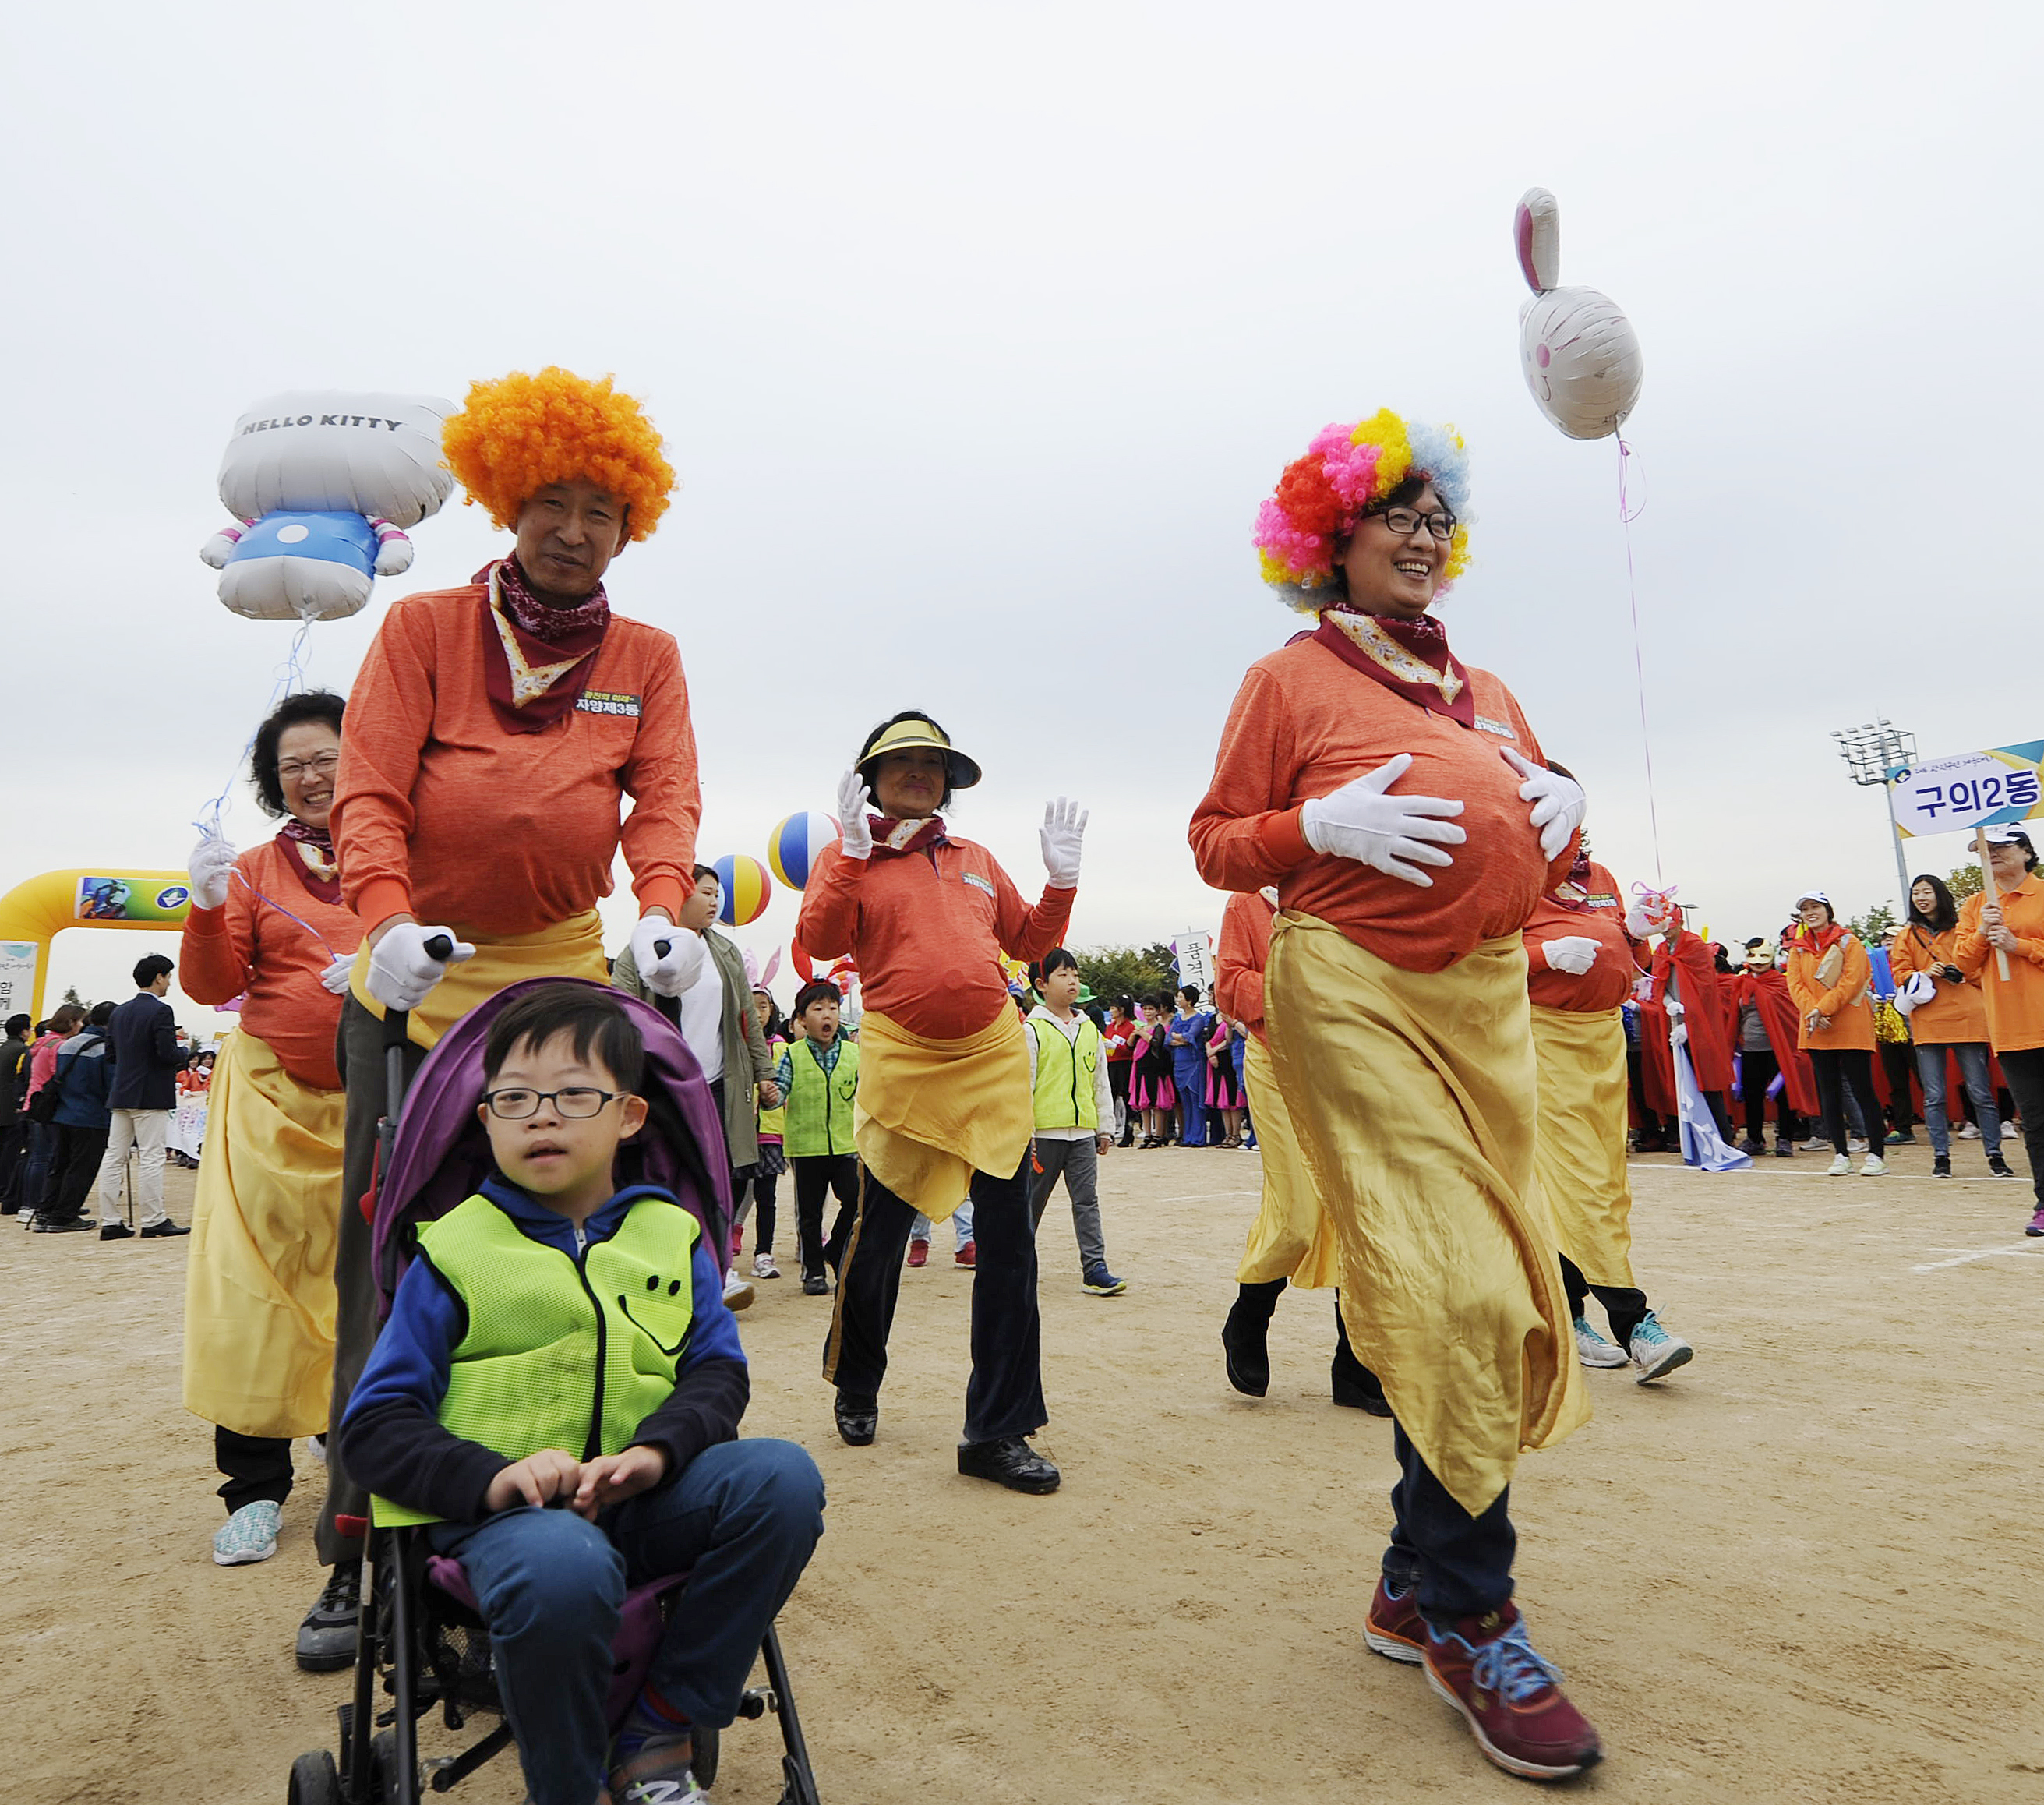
[493, 735]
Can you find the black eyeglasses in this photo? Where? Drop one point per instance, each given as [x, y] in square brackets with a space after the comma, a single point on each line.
[574, 1103]
[1404, 522]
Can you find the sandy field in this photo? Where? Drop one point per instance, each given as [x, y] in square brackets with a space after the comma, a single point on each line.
[1804, 1570]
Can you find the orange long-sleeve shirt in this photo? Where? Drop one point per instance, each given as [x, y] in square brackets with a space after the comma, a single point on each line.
[1244, 950]
[1607, 982]
[2015, 1010]
[1846, 1002]
[1303, 724]
[439, 811]
[926, 929]
[1956, 1015]
[250, 945]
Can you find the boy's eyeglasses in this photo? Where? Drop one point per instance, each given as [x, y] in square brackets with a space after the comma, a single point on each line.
[575, 1104]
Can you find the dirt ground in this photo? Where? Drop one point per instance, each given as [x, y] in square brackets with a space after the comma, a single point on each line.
[1804, 1570]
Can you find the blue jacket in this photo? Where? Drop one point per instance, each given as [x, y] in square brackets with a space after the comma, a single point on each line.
[391, 1439]
[142, 1041]
[82, 1082]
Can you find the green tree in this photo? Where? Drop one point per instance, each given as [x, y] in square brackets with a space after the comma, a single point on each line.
[1109, 972]
[1965, 882]
[72, 996]
[1872, 927]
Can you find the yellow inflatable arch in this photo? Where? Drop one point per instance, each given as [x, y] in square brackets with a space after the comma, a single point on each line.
[36, 911]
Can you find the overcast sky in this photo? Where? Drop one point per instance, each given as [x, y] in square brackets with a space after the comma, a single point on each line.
[977, 334]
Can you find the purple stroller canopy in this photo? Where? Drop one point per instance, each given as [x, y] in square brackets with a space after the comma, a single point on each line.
[442, 1154]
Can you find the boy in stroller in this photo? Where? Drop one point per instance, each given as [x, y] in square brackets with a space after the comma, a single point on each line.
[557, 1392]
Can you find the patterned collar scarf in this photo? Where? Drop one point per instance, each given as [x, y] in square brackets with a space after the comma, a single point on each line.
[1409, 657]
[536, 658]
[311, 849]
[892, 836]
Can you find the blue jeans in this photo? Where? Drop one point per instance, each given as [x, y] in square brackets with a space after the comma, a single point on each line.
[1973, 1067]
[1461, 1564]
[742, 1519]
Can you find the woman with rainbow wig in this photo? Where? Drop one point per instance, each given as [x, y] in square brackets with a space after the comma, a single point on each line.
[1400, 803]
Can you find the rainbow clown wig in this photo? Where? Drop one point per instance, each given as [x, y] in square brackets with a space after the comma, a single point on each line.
[1345, 471]
[517, 435]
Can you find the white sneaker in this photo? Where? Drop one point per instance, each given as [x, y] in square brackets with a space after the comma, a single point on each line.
[1655, 1352]
[1873, 1167]
[1839, 1168]
[1855, 1144]
[249, 1535]
[1593, 1349]
[764, 1266]
[316, 1446]
[1816, 1147]
[1968, 1131]
[737, 1292]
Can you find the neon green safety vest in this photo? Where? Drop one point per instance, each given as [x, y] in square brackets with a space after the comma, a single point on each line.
[774, 1121]
[1064, 1097]
[561, 1351]
[819, 1104]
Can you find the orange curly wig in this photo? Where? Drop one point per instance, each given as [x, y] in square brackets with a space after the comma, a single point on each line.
[517, 435]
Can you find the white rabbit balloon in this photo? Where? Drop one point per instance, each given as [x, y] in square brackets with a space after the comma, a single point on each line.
[1579, 351]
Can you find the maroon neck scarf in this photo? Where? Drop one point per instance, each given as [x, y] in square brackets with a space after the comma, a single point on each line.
[1409, 657]
[537, 657]
[311, 849]
[891, 836]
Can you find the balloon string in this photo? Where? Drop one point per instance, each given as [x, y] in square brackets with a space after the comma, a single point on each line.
[1626, 515]
[290, 678]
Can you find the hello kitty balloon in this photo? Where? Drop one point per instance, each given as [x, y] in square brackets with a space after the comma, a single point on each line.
[1580, 354]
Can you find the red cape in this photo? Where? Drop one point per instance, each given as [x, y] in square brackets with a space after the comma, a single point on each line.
[1768, 991]
[1698, 986]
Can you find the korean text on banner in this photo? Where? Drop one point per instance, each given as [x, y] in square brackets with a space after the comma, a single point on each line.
[1194, 948]
[1968, 790]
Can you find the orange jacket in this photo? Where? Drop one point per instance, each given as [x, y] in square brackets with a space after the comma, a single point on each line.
[1239, 960]
[250, 946]
[926, 929]
[1846, 1002]
[1956, 1015]
[2015, 1010]
[439, 811]
[1303, 724]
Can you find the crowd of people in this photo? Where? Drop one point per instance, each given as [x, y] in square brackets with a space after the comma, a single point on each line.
[1433, 1016]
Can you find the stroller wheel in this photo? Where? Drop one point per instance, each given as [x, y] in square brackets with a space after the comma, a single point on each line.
[315, 1780]
[389, 1787]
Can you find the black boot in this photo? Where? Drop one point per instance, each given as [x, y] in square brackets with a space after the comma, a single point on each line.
[1355, 1385]
[1244, 1337]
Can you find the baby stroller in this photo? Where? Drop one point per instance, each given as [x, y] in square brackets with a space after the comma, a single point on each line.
[422, 1644]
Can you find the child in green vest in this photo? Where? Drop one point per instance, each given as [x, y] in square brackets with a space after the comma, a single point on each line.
[818, 1076]
[1074, 1112]
[557, 1393]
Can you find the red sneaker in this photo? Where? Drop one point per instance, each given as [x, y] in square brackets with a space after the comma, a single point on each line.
[1510, 1696]
[1394, 1627]
[919, 1253]
[968, 1255]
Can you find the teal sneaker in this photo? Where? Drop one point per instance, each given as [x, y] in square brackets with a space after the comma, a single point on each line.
[1655, 1352]
[1593, 1349]
[247, 1536]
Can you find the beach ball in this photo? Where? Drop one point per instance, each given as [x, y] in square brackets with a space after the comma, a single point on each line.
[744, 888]
[793, 846]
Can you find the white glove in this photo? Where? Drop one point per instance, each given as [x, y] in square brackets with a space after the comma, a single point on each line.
[1643, 988]
[1395, 835]
[1639, 924]
[210, 867]
[1559, 802]
[1064, 827]
[338, 979]
[669, 974]
[401, 971]
[1678, 1032]
[853, 800]
[1917, 989]
[1573, 954]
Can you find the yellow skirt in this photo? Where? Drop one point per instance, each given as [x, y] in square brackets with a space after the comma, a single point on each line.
[1412, 1096]
[259, 1285]
[573, 948]
[1290, 1238]
[931, 1113]
[1579, 1151]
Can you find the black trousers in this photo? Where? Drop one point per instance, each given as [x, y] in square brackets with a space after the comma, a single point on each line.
[1625, 1307]
[1898, 1059]
[255, 1466]
[1461, 1564]
[1005, 1396]
[13, 1151]
[1836, 1069]
[1117, 1090]
[1758, 1069]
[76, 1169]
[816, 1175]
[2024, 1070]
